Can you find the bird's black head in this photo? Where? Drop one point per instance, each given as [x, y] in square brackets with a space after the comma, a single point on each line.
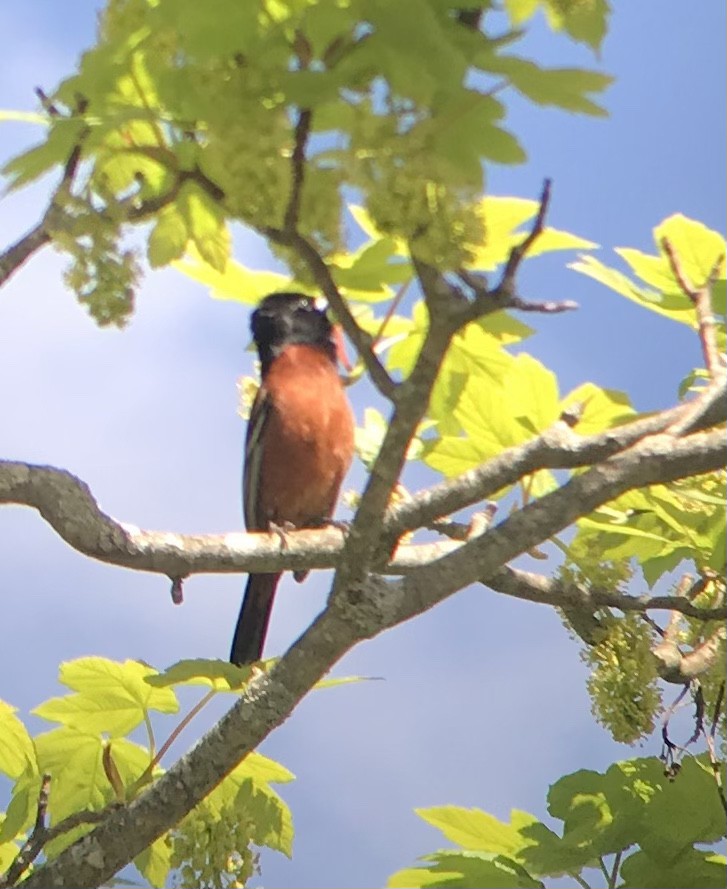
[283, 319]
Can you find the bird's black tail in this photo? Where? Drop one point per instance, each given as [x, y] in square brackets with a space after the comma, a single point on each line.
[252, 624]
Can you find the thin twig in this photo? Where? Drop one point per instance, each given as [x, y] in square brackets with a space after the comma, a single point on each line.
[149, 732]
[42, 809]
[21, 251]
[153, 114]
[547, 590]
[45, 101]
[549, 307]
[139, 211]
[42, 835]
[503, 295]
[669, 747]
[71, 165]
[517, 254]
[291, 237]
[17, 254]
[603, 868]
[698, 586]
[362, 341]
[701, 298]
[35, 842]
[79, 819]
[653, 624]
[614, 870]
[579, 879]
[698, 695]
[297, 165]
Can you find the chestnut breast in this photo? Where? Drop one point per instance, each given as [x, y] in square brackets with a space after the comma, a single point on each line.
[309, 438]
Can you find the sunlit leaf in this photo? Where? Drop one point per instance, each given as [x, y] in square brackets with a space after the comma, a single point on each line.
[219, 675]
[60, 142]
[462, 870]
[206, 224]
[477, 830]
[700, 252]
[583, 20]
[17, 754]
[600, 408]
[567, 88]
[154, 862]
[504, 218]
[168, 239]
[694, 869]
[74, 759]
[8, 852]
[112, 697]
[248, 789]
[236, 282]
[24, 117]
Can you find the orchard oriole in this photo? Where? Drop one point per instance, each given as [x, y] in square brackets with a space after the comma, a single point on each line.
[299, 442]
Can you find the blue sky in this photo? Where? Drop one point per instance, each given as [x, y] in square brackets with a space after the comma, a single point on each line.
[483, 702]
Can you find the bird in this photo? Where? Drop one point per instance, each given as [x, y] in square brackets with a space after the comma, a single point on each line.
[299, 443]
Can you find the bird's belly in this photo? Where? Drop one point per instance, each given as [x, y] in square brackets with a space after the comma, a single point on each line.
[307, 455]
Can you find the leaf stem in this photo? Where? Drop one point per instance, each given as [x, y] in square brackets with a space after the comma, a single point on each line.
[150, 734]
[148, 771]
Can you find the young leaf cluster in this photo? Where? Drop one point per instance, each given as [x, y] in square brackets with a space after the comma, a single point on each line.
[635, 826]
[192, 121]
[94, 761]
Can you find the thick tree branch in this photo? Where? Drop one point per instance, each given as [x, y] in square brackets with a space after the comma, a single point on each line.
[17, 254]
[449, 311]
[70, 508]
[67, 504]
[657, 458]
[42, 835]
[700, 411]
[557, 448]
[21, 251]
[359, 611]
[546, 590]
